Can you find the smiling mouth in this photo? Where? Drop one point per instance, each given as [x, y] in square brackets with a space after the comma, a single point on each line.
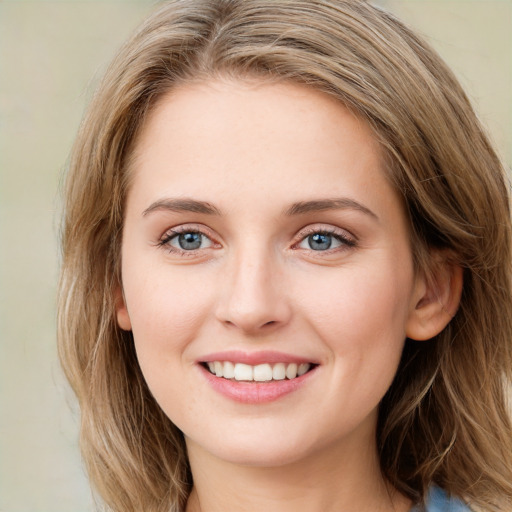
[265, 372]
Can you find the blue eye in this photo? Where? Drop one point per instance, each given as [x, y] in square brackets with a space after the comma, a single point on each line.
[323, 241]
[319, 241]
[189, 241]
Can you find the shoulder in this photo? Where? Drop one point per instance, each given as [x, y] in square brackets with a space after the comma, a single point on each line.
[439, 501]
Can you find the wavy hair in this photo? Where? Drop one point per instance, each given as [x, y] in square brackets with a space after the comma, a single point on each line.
[445, 419]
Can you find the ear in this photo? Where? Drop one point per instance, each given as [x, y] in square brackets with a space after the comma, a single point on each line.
[123, 318]
[436, 300]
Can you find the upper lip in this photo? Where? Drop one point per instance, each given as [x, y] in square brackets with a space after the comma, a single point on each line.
[255, 358]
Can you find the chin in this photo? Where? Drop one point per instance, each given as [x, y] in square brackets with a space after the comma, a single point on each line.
[261, 456]
[261, 447]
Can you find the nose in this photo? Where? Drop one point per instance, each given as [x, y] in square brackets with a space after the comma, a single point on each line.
[253, 296]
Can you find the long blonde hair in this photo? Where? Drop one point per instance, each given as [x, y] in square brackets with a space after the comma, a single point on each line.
[445, 419]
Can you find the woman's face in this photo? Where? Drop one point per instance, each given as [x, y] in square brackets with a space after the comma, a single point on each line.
[262, 237]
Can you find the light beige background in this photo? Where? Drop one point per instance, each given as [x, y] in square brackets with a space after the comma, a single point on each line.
[51, 55]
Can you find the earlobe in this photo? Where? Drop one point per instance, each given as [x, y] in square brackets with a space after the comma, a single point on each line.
[123, 318]
[437, 300]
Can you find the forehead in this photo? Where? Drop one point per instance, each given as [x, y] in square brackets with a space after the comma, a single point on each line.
[243, 136]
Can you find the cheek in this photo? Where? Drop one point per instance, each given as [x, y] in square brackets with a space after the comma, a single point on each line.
[369, 304]
[166, 311]
[360, 315]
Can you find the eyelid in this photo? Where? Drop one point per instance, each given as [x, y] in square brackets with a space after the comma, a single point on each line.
[170, 233]
[343, 234]
[188, 227]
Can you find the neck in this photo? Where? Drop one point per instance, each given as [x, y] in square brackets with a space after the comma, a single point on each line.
[337, 479]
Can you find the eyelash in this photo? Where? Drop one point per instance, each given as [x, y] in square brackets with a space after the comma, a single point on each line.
[347, 241]
[171, 234]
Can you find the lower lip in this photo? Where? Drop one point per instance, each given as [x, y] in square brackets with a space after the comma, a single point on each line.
[255, 392]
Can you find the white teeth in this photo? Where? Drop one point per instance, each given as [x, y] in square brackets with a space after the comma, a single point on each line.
[279, 371]
[229, 370]
[303, 368]
[243, 372]
[219, 367]
[262, 372]
[259, 373]
[291, 371]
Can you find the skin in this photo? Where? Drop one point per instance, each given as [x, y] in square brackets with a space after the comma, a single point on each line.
[251, 151]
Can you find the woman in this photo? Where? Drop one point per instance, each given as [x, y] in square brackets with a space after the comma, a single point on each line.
[286, 273]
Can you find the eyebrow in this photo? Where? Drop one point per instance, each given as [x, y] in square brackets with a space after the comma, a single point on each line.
[299, 208]
[182, 205]
[319, 205]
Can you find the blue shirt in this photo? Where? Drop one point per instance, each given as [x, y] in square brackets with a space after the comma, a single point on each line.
[439, 501]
